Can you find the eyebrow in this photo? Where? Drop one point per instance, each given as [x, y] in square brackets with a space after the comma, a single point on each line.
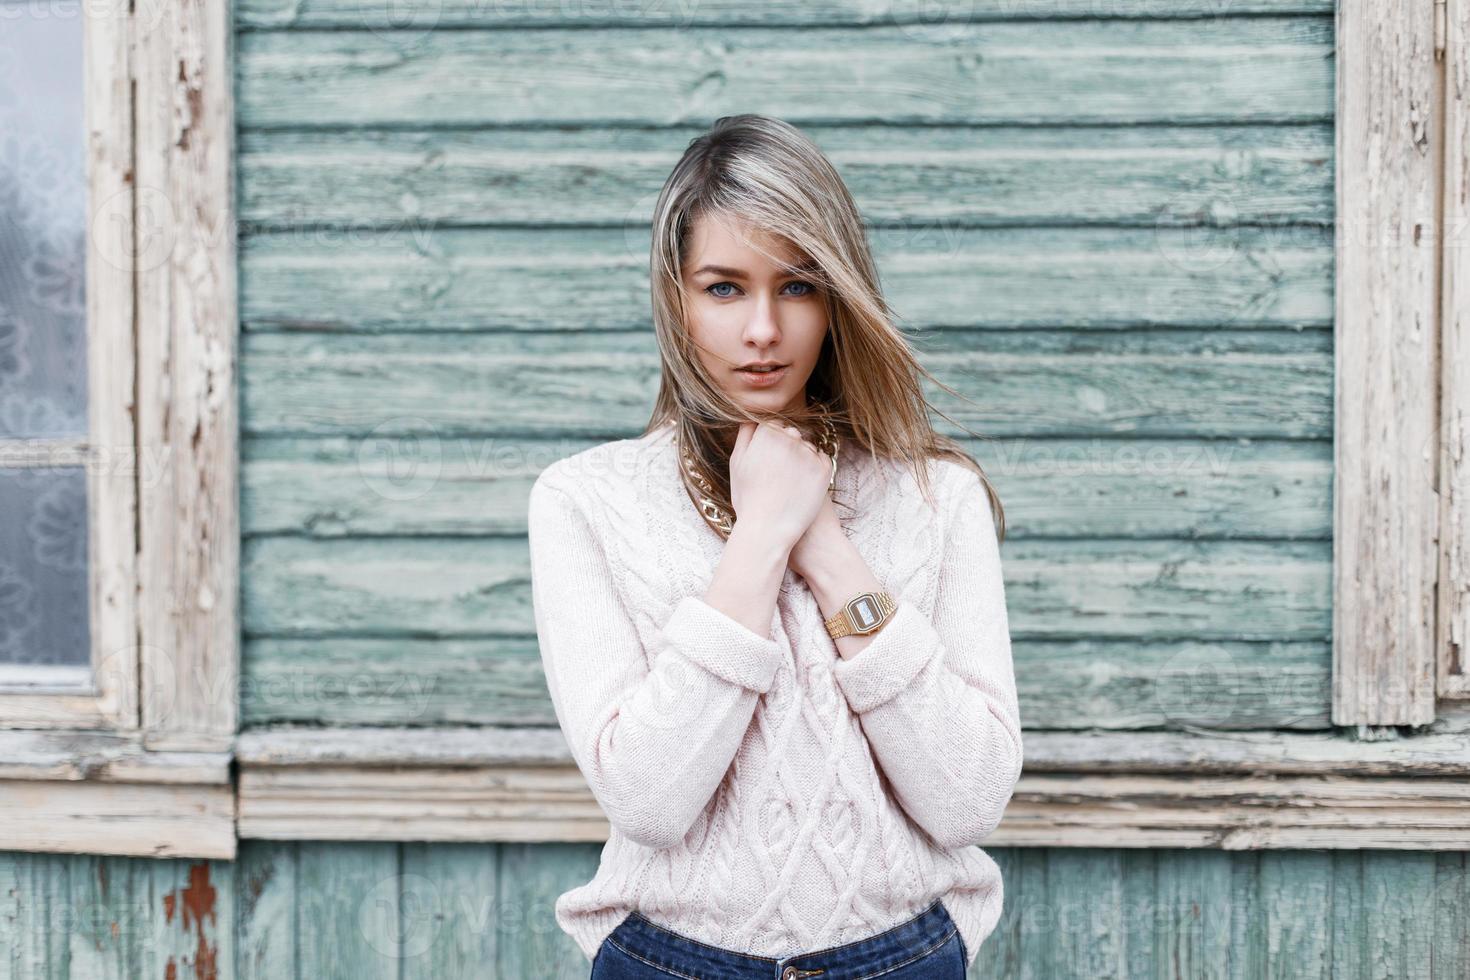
[719, 270]
[801, 268]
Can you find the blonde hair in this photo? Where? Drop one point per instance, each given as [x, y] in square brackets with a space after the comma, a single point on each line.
[770, 175]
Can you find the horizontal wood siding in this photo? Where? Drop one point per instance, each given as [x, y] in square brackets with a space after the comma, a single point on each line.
[952, 177]
[374, 15]
[1109, 227]
[1208, 70]
[409, 278]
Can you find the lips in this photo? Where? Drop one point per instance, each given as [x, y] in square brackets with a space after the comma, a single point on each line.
[762, 379]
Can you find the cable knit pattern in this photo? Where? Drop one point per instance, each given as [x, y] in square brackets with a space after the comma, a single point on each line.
[766, 795]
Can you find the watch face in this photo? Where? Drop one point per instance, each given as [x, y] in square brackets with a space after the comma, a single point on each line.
[865, 611]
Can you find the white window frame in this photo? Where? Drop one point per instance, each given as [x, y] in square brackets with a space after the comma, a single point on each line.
[102, 694]
[132, 754]
[1401, 569]
[1453, 614]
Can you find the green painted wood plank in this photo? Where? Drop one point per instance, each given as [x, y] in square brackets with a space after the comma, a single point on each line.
[195, 934]
[948, 176]
[337, 487]
[414, 277]
[32, 887]
[1089, 939]
[452, 918]
[348, 910]
[287, 14]
[1398, 914]
[1349, 949]
[1246, 959]
[1451, 951]
[1248, 384]
[1023, 882]
[106, 942]
[1208, 590]
[1129, 684]
[1296, 895]
[1070, 589]
[422, 278]
[127, 917]
[346, 681]
[1253, 69]
[266, 879]
[531, 877]
[1109, 684]
[1121, 487]
[1138, 916]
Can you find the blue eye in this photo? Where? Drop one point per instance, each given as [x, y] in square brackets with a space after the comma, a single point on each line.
[728, 290]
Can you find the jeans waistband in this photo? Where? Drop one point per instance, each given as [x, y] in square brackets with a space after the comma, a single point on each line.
[909, 940]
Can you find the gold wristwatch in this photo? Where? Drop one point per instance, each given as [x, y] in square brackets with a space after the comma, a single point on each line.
[863, 614]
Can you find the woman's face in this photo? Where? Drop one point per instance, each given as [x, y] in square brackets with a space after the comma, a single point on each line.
[745, 308]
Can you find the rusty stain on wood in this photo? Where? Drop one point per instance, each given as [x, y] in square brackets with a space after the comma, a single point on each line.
[196, 902]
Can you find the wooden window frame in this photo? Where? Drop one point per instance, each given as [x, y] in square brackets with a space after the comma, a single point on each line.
[133, 756]
[1452, 642]
[104, 693]
[1401, 568]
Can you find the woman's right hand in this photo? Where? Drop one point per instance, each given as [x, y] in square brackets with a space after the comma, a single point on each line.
[778, 481]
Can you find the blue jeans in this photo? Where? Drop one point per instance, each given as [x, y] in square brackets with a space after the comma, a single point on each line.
[926, 947]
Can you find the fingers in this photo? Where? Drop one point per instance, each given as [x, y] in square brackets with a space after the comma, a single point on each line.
[796, 434]
[787, 430]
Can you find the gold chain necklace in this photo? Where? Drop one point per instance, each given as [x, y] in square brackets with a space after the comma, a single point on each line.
[701, 491]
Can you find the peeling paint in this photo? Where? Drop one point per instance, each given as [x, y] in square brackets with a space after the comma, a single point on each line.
[196, 901]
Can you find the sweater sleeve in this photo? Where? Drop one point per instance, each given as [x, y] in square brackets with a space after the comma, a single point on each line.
[653, 734]
[936, 698]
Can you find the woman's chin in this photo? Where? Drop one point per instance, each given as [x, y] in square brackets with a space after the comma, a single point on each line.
[769, 402]
[762, 401]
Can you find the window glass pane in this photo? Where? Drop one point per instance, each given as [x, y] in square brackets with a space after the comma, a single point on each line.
[43, 567]
[43, 204]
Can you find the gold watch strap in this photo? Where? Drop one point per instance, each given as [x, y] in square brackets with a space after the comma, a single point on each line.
[866, 607]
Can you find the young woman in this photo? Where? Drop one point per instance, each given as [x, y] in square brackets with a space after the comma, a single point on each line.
[773, 625]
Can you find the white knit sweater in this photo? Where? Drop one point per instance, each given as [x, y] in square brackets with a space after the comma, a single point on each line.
[764, 794]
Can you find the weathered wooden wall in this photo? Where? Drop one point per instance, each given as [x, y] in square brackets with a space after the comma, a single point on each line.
[329, 911]
[1108, 226]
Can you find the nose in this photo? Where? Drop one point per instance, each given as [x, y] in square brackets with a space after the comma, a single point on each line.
[761, 329]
